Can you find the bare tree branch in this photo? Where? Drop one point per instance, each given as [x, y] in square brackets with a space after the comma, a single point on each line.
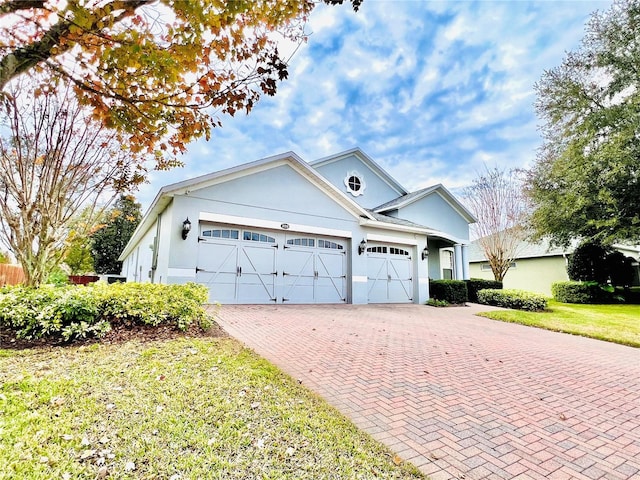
[55, 162]
[496, 199]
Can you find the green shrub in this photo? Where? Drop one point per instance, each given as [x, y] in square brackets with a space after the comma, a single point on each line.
[58, 277]
[432, 302]
[452, 291]
[581, 292]
[76, 311]
[516, 299]
[476, 284]
[588, 263]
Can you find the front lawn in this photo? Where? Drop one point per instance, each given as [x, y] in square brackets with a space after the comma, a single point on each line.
[185, 408]
[613, 323]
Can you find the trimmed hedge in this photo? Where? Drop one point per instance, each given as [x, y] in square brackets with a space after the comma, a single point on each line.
[474, 285]
[516, 299]
[72, 312]
[452, 291]
[581, 292]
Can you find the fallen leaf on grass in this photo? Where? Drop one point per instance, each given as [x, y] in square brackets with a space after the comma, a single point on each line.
[397, 460]
[129, 467]
[290, 451]
[86, 454]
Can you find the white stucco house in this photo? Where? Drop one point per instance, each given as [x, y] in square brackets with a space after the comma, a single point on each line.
[281, 230]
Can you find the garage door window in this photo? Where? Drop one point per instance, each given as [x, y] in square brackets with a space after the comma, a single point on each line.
[397, 251]
[221, 233]
[257, 237]
[377, 249]
[328, 244]
[303, 242]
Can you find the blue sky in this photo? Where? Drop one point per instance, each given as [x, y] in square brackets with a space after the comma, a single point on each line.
[432, 91]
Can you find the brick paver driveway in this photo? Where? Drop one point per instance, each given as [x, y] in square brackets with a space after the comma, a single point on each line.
[458, 395]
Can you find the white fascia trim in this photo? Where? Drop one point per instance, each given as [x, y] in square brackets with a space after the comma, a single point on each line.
[182, 272]
[403, 228]
[374, 237]
[392, 226]
[271, 225]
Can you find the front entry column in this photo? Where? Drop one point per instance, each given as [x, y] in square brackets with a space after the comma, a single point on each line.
[457, 261]
[465, 262]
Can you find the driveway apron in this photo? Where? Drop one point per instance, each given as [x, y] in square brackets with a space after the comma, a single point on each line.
[457, 395]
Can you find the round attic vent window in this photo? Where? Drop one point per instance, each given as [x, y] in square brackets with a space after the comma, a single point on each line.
[355, 184]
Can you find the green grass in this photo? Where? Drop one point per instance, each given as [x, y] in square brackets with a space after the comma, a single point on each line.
[613, 323]
[173, 409]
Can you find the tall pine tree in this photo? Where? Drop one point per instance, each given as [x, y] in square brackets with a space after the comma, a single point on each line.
[109, 241]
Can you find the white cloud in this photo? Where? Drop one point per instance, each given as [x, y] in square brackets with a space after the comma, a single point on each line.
[431, 90]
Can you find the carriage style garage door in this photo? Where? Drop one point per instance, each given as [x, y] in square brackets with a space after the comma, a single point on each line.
[248, 265]
[389, 274]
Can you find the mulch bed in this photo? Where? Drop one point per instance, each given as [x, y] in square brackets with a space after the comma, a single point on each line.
[120, 333]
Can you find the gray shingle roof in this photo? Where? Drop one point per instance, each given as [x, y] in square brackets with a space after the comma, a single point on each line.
[396, 221]
[525, 250]
[405, 198]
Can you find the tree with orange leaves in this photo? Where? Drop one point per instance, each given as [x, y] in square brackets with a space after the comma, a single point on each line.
[154, 70]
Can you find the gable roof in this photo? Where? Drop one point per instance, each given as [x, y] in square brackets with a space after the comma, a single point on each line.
[543, 248]
[367, 160]
[438, 189]
[165, 195]
[525, 249]
[400, 224]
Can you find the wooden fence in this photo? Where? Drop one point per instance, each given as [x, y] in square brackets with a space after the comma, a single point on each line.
[10, 274]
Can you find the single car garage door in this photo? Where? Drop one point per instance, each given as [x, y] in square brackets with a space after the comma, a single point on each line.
[389, 274]
[248, 265]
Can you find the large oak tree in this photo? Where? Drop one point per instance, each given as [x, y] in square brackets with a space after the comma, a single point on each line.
[586, 180]
[154, 69]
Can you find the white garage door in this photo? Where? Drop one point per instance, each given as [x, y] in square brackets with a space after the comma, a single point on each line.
[314, 270]
[389, 274]
[247, 265]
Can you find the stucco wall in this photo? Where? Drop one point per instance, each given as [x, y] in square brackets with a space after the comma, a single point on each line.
[377, 191]
[532, 274]
[137, 266]
[435, 212]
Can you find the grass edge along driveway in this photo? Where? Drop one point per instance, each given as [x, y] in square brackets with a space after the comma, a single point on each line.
[612, 323]
[173, 409]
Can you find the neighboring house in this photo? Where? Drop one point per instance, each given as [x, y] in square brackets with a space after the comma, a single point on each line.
[537, 266]
[281, 230]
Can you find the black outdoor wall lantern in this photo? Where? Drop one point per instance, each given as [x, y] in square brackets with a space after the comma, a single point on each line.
[362, 247]
[425, 253]
[186, 228]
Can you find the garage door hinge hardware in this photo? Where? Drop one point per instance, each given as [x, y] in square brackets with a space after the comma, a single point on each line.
[285, 299]
[275, 245]
[238, 271]
[274, 273]
[200, 239]
[284, 274]
[284, 247]
[274, 299]
[199, 270]
[343, 276]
